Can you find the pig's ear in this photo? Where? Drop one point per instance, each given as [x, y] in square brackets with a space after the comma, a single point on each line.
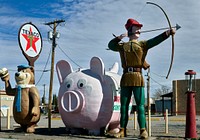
[115, 68]
[97, 66]
[63, 68]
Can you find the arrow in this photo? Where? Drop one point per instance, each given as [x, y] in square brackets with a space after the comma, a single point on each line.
[176, 27]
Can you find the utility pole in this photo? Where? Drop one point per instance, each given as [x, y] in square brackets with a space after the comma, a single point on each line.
[0, 111]
[43, 98]
[53, 37]
[148, 102]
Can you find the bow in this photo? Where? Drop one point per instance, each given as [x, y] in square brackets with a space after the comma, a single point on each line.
[170, 27]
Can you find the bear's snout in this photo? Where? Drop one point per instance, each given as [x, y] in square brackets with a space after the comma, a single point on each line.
[22, 77]
[17, 74]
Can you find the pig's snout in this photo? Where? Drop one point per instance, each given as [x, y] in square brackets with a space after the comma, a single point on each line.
[72, 101]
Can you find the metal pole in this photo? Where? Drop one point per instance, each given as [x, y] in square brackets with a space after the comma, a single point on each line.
[148, 102]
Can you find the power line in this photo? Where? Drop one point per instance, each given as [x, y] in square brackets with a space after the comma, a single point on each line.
[158, 75]
[69, 57]
[44, 70]
[156, 81]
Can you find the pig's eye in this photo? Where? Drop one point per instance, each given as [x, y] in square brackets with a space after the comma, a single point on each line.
[81, 83]
[68, 83]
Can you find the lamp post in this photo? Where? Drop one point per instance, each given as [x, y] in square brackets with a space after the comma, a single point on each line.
[190, 130]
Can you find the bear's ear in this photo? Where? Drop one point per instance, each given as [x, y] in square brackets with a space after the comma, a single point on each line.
[63, 69]
[97, 66]
[32, 69]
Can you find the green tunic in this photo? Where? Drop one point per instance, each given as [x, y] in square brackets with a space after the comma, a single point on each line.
[133, 55]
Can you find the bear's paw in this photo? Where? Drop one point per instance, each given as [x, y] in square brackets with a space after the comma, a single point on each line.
[35, 111]
[30, 129]
[4, 74]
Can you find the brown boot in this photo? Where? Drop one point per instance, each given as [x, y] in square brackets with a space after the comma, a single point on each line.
[125, 133]
[120, 134]
[143, 133]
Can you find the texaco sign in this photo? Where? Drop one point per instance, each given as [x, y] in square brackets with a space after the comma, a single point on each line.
[30, 41]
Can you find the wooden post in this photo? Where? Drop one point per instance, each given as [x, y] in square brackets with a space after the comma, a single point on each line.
[166, 122]
[8, 118]
[51, 78]
[55, 24]
[135, 120]
[149, 123]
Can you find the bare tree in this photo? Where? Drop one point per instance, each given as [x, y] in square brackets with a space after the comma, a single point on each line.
[160, 91]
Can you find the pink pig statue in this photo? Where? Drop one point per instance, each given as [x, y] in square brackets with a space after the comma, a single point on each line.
[89, 98]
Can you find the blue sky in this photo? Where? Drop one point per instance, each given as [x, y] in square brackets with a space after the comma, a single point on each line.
[88, 28]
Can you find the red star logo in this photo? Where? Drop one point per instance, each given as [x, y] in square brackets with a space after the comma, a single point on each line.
[31, 40]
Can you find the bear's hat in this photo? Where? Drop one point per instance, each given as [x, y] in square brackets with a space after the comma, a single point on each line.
[24, 66]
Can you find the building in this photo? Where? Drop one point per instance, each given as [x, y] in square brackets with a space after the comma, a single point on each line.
[179, 97]
[162, 105]
[6, 102]
[176, 101]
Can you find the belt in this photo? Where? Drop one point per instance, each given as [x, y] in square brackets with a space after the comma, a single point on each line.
[132, 69]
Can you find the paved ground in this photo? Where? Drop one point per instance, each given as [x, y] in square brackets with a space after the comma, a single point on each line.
[176, 130]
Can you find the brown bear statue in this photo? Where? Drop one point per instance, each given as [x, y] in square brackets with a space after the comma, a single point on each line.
[26, 111]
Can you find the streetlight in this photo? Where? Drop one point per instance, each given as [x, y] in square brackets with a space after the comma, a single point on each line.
[190, 130]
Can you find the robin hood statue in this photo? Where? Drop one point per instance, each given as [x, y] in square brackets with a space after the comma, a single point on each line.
[133, 55]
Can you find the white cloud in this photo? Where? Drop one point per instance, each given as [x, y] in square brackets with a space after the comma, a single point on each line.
[89, 27]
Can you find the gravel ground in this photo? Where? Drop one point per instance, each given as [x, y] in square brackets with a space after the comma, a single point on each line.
[176, 130]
